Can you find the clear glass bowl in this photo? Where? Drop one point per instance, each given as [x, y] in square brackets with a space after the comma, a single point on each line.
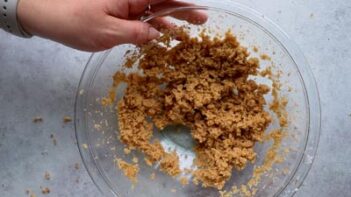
[97, 126]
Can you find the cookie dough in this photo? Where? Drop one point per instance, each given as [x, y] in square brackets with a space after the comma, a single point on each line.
[203, 83]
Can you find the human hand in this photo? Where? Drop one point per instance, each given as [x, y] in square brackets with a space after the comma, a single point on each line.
[95, 25]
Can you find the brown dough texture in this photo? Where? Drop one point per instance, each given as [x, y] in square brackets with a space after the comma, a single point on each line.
[202, 83]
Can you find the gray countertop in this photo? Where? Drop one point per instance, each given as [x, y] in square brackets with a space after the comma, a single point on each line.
[39, 78]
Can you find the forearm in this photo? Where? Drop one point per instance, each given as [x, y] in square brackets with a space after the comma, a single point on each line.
[52, 19]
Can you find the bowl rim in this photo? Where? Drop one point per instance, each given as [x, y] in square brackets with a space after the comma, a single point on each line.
[252, 16]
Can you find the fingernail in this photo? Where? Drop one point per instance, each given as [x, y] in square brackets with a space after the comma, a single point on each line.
[153, 33]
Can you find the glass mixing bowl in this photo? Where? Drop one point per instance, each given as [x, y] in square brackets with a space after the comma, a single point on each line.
[97, 126]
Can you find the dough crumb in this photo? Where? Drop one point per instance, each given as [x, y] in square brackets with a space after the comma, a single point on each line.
[135, 160]
[126, 151]
[265, 57]
[45, 190]
[130, 171]
[85, 146]
[184, 181]
[37, 119]
[67, 119]
[170, 164]
[147, 161]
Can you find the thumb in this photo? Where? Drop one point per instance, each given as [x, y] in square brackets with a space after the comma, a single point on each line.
[135, 32]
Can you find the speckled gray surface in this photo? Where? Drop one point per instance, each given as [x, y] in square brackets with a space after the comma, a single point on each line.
[39, 77]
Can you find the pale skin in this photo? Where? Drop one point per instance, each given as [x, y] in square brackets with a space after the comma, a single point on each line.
[95, 25]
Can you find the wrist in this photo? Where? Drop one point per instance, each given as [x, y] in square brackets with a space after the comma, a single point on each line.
[45, 18]
[26, 13]
[36, 16]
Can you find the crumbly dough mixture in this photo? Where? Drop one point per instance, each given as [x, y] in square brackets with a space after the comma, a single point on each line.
[202, 83]
[129, 170]
[170, 164]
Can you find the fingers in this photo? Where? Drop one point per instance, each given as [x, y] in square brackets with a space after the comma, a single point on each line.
[192, 16]
[138, 8]
[135, 32]
[160, 23]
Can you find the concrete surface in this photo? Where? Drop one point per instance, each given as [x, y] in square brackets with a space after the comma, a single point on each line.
[39, 78]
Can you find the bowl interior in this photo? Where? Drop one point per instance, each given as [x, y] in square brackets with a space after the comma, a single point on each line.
[97, 126]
